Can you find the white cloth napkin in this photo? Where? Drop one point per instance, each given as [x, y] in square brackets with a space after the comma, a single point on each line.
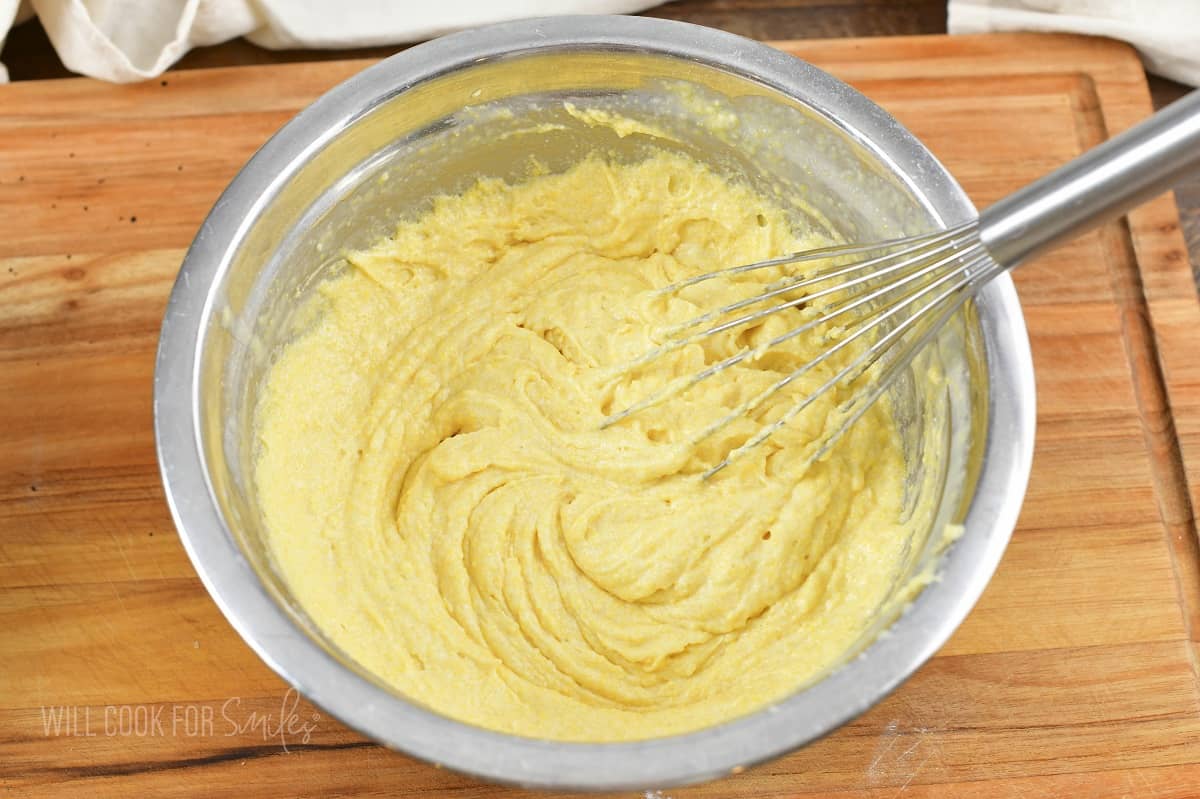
[131, 40]
[1165, 32]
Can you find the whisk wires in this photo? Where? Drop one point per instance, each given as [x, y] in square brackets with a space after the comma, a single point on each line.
[893, 296]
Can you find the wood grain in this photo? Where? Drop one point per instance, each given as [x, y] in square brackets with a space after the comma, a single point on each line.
[1074, 676]
[30, 56]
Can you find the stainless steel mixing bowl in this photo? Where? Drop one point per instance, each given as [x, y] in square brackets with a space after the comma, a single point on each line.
[432, 119]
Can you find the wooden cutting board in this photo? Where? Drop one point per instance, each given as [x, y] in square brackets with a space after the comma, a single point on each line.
[1074, 676]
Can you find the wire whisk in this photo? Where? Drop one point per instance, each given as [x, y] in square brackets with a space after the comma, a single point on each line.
[890, 298]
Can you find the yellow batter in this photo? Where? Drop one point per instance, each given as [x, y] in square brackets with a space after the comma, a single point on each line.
[444, 505]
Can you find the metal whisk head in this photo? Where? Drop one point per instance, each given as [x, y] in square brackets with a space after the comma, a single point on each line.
[891, 297]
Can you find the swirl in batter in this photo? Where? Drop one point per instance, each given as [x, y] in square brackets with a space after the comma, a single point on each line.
[442, 502]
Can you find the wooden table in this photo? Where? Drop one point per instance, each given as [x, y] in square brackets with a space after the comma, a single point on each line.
[1074, 676]
[28, 54]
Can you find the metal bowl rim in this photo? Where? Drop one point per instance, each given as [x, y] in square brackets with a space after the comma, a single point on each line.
[680, 759]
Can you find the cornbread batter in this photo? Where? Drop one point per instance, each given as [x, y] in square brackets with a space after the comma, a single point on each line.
[442, 501]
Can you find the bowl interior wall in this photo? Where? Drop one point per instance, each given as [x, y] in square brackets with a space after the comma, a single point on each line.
[486, 119]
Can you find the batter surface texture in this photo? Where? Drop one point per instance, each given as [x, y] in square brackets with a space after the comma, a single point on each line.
[443, 503]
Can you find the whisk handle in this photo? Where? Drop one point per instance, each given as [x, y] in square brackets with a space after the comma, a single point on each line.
[1105, 182]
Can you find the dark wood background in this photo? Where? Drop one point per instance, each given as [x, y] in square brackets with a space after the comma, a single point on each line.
[29, 56]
